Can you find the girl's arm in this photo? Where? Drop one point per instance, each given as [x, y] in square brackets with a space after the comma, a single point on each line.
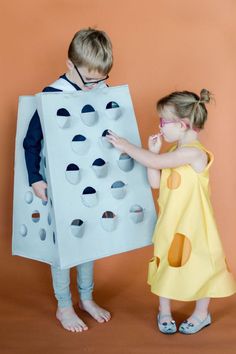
[179, 157]
[154, 145]
[154, 177]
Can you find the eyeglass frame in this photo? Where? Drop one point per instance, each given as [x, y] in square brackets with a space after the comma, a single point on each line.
[163, 122]
[88, 83]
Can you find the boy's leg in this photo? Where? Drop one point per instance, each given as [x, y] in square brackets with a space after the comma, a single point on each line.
[61, 286]
[65, 311]
[85, 284]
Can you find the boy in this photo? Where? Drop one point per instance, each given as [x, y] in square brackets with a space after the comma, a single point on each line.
[89, 62]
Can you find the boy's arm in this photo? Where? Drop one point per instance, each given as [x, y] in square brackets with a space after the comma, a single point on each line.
[32, 146]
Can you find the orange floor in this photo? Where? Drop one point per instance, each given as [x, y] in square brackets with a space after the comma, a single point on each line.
[28, 324]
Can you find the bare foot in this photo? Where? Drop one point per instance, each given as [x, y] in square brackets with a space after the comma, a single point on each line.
[69, 319]
[97, 312]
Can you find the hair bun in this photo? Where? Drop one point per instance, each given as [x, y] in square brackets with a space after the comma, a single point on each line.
[205, 96]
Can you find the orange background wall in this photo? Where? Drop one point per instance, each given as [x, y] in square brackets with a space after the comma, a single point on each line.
[159, 46]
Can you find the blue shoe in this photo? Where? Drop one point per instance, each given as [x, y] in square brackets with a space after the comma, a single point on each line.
[187, 327]
[166, 327]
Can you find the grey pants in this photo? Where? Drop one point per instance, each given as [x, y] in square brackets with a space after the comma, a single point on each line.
[61, 283]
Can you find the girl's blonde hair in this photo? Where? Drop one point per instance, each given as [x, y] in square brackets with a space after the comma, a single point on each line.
[188, 105]
[93, 49]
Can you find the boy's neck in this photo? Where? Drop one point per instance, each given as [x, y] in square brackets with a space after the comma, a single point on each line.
[71, 79]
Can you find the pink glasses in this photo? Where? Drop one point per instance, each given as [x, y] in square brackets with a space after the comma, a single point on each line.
[163, 122]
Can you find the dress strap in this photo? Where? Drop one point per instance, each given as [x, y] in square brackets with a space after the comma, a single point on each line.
[198, 145]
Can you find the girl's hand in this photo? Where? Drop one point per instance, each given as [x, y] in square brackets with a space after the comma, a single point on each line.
[155, 143]
[116, 141]
[40, 189]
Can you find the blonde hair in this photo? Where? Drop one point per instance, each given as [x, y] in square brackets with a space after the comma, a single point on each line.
[188, 105]
[93, 49]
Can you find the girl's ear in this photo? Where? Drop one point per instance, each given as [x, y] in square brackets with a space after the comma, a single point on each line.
[185, 123]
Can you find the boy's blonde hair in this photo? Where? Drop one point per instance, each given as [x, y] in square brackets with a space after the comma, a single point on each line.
[93, 49]
[188, 105]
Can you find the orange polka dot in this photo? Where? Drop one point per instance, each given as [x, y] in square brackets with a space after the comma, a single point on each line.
[179, 251]
[174, 180]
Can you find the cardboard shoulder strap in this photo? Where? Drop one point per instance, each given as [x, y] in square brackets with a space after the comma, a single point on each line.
[63, 85]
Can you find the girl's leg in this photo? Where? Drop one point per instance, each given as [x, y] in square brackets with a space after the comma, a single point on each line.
[85, 286]
[199, 319]
[164, 306]
[65, 311]
[200, 311]
[165, 322]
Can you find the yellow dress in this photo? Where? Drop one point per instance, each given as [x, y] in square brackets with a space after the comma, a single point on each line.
[189, 262]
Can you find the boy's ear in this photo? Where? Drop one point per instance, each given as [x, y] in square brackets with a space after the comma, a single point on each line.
[69, 64]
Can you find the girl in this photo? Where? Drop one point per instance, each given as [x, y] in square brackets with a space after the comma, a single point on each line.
[189, 263]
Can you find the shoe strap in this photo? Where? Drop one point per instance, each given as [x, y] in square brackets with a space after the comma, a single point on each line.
[164, 315]
[198, 319]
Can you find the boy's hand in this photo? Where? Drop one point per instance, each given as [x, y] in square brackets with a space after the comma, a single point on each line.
[39, 189]
[154, 143]
[116, 141]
